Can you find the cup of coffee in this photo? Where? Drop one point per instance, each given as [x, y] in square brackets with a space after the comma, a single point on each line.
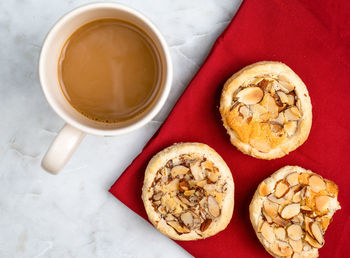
[106, 70]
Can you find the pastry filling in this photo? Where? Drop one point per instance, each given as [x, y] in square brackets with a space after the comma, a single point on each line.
[296, 213]
[265, 112]
[188, 193]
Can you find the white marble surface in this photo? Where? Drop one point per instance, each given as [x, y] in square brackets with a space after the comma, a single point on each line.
[72, 214]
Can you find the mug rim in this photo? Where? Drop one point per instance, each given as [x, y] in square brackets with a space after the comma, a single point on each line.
[152, 112]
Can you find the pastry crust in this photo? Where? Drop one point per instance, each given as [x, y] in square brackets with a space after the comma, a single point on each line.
[221, 193]
[266, 135]
[266, 191]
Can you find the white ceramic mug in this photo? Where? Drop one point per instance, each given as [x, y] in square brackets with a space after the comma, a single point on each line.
[77, 125]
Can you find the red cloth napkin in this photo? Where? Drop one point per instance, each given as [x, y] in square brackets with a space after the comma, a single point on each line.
[313, 38]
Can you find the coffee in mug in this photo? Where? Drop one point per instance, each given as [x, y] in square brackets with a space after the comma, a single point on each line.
[109, 70]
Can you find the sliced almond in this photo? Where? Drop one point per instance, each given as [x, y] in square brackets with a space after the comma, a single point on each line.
[296, 188]
[267, 232]
[219, 197]
[210, 189]
[189, 192]
[201, 183]
[279, 221]
[185, 200]
[197, 171]
[293, 178]
[175, 225]
[260, 145]
[279, 119]
[267, 217]
[283, 96]
[291, 99]
[291, 127]
[204, 226]
[213, 207]
[157, 196]
[296, 245]
[261, 222]
[162, 210]
[304, 178]
[290, 114]
[295, 232]
[312, 241]
[244, 110]
[297, 197]
[280, 201]
[169, 217]
[172, 186]
[270, 208]
[332, 188]
[284, 84]
[265, 84]
[281, 248]
[280, 233]
[298, 104]
[298, 219]
[307, 224]
[263, 189]
[277, 99]
[250, 95]
[316, 183]
[164, 171]
[257, 110]
[187, 219]
[317, 233]
[322, 203]
[207, 165]
[256, 80]
[289, 195]
[176, 161]
[295, 111]
[281, 188]
[178, 170]
[213, 176]
[290, 210]
[269, 103]
[173, 205]
[196, 221]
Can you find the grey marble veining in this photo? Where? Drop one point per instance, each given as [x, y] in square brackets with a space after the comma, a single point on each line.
[72, 214]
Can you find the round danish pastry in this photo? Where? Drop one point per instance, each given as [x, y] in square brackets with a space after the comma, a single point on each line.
[291, 211]
[188, 192]
[266, 110]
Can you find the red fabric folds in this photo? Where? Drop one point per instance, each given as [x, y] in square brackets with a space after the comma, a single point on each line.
[313, 38]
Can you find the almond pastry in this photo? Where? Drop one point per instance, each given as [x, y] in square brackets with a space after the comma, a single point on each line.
[292, 223]
[188, 192]
[266, 110]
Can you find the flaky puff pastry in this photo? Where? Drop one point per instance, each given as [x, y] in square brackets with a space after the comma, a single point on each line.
[291, 210]
[266, 110]
[188, 191]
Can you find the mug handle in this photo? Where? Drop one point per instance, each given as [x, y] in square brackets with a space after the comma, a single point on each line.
[62, 148]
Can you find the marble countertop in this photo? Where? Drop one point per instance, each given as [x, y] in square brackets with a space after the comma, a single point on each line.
[72, 214]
